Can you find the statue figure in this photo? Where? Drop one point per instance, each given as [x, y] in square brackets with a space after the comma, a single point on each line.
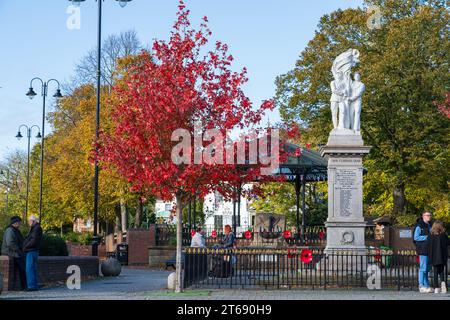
[343, 97]
[337, 100]
[358, 89]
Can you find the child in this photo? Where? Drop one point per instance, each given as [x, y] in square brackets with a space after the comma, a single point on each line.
[438, 243]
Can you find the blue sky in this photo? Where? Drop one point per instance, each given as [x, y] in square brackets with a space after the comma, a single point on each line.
[266, 36]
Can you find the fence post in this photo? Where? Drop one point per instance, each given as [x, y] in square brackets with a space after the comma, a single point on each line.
[325, 262]
[399, 257]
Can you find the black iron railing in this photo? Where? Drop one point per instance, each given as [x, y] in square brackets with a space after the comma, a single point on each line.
[313, 237]
[293, 268]
[166, 235]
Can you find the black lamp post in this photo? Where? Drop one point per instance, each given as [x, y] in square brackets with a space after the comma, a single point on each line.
[44, 92]
[122, 3]
[19, 137]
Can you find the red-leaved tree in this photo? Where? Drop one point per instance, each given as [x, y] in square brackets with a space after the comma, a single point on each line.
[180, 85]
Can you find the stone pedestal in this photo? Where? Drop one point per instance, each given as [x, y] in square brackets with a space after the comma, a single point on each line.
[346, 225]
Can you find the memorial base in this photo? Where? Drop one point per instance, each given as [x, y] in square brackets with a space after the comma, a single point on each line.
[346, 248]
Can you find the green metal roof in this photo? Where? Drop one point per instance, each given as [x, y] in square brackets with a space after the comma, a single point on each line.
[310, 164]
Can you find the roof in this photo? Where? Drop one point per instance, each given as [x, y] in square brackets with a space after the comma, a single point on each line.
[310, 164]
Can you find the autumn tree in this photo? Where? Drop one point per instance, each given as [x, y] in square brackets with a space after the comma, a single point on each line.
[13, 180]
[114, 48]
[180, 85]
[68, 179]
[404, 65]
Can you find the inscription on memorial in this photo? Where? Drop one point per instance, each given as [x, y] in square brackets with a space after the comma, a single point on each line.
[346, 184]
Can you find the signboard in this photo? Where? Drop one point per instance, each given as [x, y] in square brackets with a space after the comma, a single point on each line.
[405, 234]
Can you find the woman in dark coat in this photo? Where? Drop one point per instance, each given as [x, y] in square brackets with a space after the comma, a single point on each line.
[438, 243]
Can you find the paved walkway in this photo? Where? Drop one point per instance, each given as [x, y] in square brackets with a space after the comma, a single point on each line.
[150, 285]
[128, 286]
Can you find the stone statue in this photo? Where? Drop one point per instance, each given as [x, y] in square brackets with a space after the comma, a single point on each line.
[357, 91]
[347, 94]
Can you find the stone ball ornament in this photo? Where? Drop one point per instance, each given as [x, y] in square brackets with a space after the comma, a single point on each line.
[111, 268]
[171, 281]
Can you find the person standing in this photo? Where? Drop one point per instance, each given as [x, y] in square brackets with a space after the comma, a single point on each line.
[12, 247]
[31, 248]
[198, 240]
[422, 231]
[438, 243]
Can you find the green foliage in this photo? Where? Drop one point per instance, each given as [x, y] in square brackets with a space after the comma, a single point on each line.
[4, 222]
[53, 245]
[85, 238]
[406, 220]
[280, 199]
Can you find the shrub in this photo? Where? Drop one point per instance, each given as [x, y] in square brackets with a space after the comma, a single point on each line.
[79, 238]
[53, 246]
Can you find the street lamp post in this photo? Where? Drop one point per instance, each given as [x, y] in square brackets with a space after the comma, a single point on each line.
[19, 137]
[122, 3]
[31, 94]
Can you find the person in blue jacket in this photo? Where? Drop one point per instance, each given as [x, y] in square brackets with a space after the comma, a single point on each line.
[422, 231]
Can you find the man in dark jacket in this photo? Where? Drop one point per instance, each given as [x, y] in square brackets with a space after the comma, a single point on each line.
[421, 234]
[12, 247]
[31, 248]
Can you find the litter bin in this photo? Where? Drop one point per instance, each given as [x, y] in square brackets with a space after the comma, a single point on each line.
[122, 253]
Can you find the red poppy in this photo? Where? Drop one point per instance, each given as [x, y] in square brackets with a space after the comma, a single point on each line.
[248, 235]
[214, 234]
[193, 233]
[378, 256]
[287, 234]
[308, 146]
[298, 152]
[291, 254]
[322, 235]
[307, 256]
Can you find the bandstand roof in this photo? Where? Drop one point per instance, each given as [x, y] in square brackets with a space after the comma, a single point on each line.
[310, 164]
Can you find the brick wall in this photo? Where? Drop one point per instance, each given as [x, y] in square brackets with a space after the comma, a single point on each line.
[6, 267]
[52, 270]
[157, 256]
[138, 242]
[77, 250]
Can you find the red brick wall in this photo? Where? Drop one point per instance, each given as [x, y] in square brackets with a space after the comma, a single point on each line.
[138, 242]
[52, 270]
[6, 268]
[77, 250]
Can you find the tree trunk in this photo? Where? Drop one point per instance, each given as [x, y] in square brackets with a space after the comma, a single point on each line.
[139, 214]
[179, 266]
[123, 214]
[117, 226]
[399, 199]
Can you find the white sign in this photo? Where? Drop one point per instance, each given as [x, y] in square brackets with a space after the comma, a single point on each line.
[405, 234]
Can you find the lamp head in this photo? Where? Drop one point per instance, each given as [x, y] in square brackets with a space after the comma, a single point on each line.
[77, 2]
[19, 136]
[123, 3]
[31, 94]
[58, 94]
